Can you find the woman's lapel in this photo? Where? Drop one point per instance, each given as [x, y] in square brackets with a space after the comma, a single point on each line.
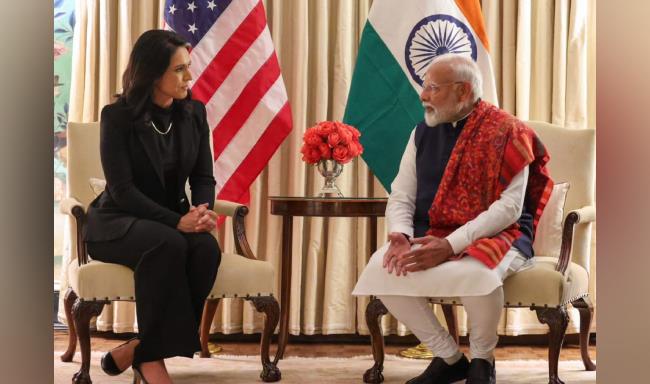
[187, 146]
[145, 133]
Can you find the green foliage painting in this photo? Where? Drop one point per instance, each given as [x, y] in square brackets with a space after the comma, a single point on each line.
[64, 20]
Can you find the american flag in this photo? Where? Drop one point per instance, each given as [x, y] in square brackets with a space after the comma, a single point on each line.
[237, 76]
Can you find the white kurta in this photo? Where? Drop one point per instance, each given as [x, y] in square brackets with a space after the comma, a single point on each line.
[463, 277]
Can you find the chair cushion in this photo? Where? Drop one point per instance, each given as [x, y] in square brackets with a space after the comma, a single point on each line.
[102, 281]
[237, 277]
[241, 277]
[98, 185]
[541, 285]
[548, 237]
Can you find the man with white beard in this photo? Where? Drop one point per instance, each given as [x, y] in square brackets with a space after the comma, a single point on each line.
[462, 214]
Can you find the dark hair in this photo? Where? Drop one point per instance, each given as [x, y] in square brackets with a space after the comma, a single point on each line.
[148, 62]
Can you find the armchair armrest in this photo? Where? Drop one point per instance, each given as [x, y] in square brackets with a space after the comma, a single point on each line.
[71, 206]
[237, 212]
[586, 214]
[226, 208]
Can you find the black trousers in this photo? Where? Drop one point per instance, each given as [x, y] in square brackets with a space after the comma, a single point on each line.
[174, 273]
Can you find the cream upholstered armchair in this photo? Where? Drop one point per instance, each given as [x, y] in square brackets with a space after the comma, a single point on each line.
[92, 284]
[555, 281]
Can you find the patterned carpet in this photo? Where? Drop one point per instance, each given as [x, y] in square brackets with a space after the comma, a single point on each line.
[246, 369]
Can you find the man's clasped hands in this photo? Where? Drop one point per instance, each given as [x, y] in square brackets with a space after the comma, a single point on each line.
[402, 259]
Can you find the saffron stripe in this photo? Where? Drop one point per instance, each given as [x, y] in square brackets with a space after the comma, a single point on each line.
[472, 11]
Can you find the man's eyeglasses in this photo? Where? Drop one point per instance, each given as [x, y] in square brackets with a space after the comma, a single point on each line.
[435, 88]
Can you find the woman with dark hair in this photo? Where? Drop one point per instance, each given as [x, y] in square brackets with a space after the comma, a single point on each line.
[154, 138]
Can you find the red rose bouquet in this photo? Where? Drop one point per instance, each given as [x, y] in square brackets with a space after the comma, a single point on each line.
[331, 140]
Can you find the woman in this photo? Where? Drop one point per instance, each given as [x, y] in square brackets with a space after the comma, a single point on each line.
[152, 139]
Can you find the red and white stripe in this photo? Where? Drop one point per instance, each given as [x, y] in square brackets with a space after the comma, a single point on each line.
[237, 76]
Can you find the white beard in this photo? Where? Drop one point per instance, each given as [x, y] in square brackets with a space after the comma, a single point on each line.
[438, 116]
[431, 118]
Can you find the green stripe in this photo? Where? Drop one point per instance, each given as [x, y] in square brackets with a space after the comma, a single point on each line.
[383, 105]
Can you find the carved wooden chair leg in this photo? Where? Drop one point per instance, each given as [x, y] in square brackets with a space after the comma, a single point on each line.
[374, 311]
[450, 317]
[271, 309]
[68, 302]
[209, 309]
[83, 312]
[586, 315]
[557, 319]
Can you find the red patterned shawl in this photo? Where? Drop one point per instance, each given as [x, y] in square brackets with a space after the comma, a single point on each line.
[493, 147]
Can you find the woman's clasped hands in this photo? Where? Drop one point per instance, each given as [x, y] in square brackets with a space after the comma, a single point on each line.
[198, 219]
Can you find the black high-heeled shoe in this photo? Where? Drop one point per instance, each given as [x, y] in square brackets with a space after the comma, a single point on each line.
[108, 363]
[138, 377]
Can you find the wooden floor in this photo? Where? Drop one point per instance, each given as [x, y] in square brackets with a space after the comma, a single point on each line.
[106, 341]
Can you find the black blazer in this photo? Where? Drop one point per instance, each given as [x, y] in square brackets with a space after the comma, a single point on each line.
[134, 170]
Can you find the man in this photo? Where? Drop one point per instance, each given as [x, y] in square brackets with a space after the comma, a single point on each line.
[462, 215]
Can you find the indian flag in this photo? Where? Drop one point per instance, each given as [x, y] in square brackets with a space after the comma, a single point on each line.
[398, 42]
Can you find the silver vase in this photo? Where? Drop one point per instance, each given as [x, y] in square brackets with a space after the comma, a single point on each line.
[330, 170]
